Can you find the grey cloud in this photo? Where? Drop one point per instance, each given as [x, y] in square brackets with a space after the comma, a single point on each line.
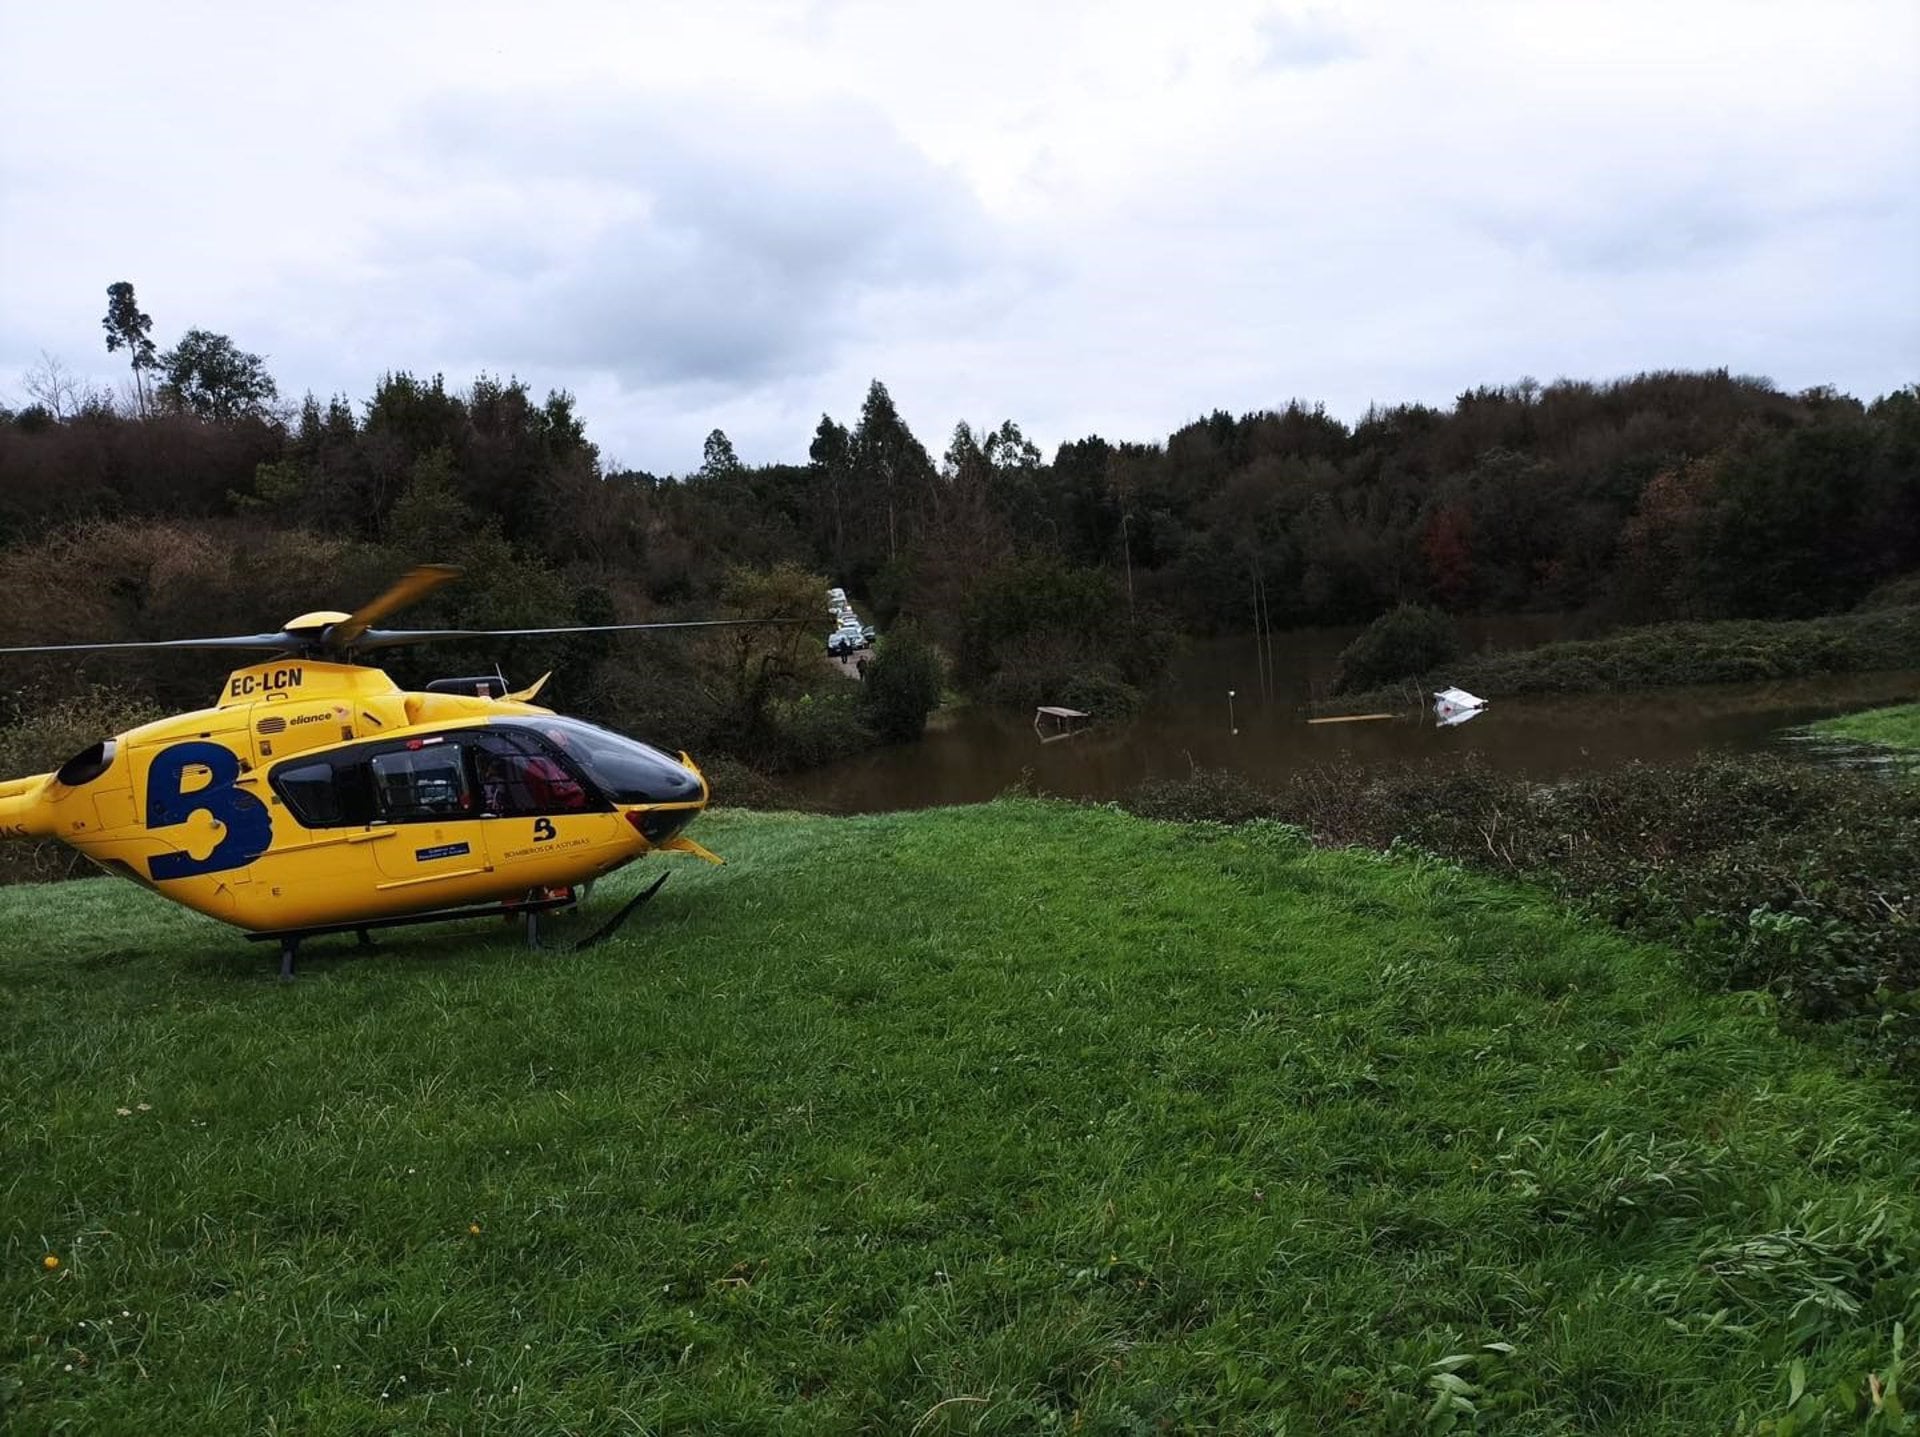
[1676, 222]
[1306, 41]
[674, 243]
[1620, 231]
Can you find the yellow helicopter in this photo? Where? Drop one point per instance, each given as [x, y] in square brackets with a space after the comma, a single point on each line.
[318, 797]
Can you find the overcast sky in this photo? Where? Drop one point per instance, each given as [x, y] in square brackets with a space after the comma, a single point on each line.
[1096, 218]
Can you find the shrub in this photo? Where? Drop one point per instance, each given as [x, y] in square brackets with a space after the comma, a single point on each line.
[1402, 643]
[814, 729]
[1100, 693]
[903, 683]
[1207, 795]
[731, 784]
[1901, 593]
[1033, 672]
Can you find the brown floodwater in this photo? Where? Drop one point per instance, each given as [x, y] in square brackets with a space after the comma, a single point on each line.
[971, 754]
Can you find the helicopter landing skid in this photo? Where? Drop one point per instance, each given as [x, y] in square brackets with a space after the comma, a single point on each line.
[606, 930]
[290, 939]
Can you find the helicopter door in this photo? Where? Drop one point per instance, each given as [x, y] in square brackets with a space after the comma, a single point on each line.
[542, 817]
[423, 790]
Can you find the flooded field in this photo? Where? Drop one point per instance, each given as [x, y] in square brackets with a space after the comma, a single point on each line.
[975, 753]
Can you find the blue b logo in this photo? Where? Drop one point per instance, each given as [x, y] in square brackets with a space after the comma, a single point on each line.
[249, 827]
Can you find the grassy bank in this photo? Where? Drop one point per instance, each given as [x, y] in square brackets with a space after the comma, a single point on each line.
[1734, 651]
[1797, 880]
[1055, 1120]
[1897, 727]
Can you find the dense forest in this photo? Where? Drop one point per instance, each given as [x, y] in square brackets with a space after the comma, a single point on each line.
[200, 504]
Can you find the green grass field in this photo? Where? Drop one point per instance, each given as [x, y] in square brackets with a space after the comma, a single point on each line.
[1019, 1118]
[1897, 727]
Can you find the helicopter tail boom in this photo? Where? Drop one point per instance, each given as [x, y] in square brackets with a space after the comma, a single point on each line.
[24, 813]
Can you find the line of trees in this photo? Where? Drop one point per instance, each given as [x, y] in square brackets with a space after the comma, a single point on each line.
[1671, 494]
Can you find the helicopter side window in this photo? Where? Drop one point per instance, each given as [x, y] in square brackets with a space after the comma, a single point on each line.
[329, 792]
[418, 785]
[309, 791]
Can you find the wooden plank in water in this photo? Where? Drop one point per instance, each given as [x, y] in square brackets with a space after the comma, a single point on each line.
[1052, 712]
[1352, 718]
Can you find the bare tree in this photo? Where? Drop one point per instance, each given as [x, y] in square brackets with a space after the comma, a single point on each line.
[58, 390]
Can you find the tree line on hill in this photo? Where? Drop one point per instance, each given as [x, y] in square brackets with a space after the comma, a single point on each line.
[203, 506]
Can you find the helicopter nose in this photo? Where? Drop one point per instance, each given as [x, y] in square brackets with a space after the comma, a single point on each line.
[669, 781]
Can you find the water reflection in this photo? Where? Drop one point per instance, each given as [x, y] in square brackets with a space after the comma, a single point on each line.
[973, 754]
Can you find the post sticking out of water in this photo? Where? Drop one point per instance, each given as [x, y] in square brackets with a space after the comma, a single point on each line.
[1232, 727]
[1259, 636]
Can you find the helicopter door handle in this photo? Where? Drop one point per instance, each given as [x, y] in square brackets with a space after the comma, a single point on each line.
[371, 834]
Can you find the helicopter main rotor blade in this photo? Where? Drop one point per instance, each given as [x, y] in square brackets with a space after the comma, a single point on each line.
[410, 588]
[393, 638]
[232, 641]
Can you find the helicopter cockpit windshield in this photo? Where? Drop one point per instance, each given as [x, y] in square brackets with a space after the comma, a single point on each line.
[624, 769]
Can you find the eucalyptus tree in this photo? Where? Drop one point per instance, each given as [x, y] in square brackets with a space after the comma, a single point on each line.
[129, 329]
